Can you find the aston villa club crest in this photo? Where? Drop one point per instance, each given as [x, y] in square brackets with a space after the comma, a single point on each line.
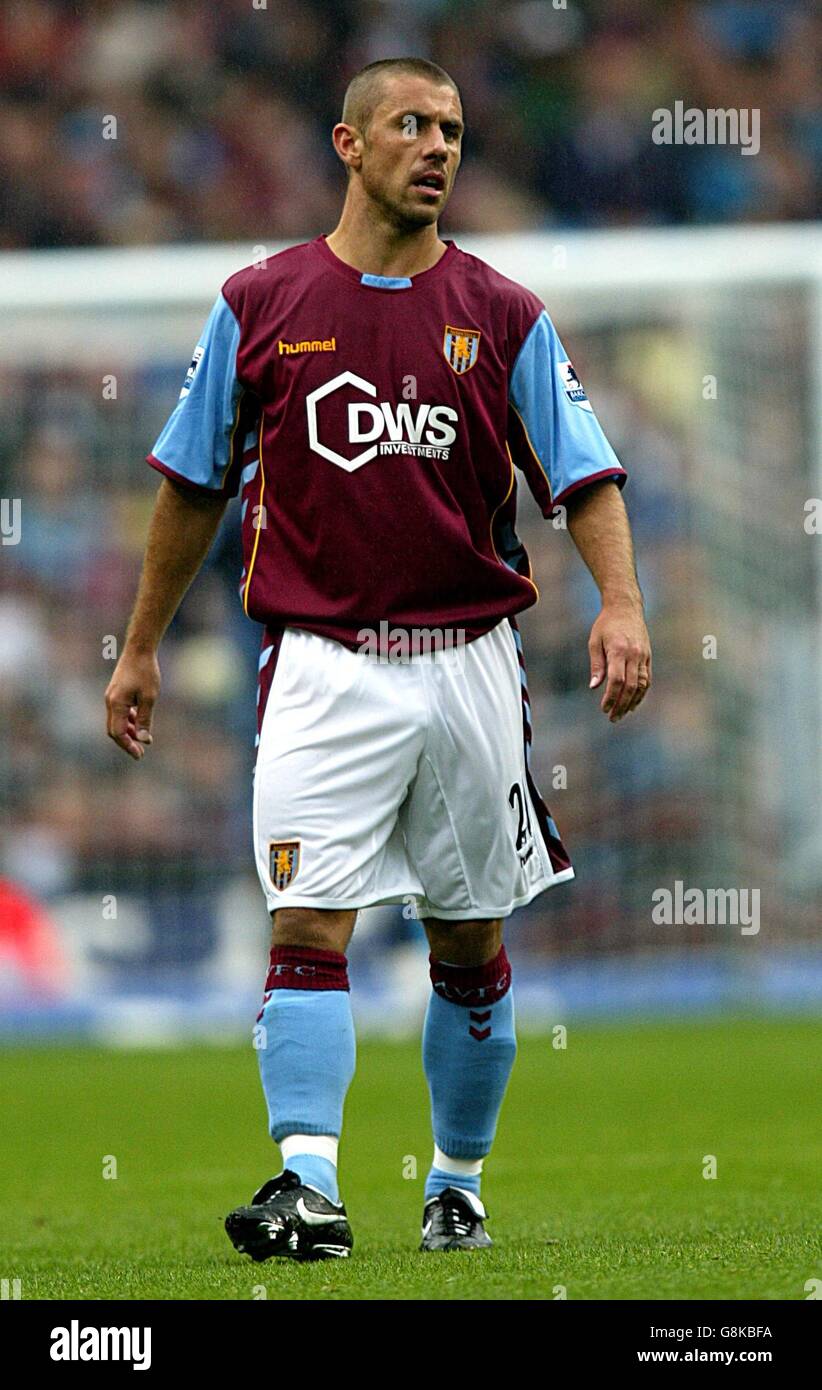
[461, 348]
[283, 862]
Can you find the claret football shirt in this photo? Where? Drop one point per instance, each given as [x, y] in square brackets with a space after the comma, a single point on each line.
[372, 426]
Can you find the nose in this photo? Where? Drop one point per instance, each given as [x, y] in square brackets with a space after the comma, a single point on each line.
[436, 144]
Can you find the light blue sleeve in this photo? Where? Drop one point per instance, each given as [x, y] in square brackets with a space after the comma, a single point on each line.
[562, 430]
[196, 443]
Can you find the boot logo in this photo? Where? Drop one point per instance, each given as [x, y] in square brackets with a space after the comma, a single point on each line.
[314, 1218]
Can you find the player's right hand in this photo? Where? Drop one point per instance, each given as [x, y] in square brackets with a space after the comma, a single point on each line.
[130, 699]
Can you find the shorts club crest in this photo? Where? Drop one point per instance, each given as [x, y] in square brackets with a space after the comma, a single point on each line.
[461, 348]
[283, 862]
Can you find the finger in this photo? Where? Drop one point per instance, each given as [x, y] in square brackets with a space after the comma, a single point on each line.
[616, 679]
[599, 665]
[629, 689]
[129, 745]
[135, 732]
[641, 689]
[118, 713]
[122, 728]
[644, 679]
[639, 692]
[145, 710]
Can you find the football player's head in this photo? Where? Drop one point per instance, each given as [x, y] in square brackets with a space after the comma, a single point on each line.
[400, 138]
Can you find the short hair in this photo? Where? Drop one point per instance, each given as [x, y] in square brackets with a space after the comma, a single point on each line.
[363, 92]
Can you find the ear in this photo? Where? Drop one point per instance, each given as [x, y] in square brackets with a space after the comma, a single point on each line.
[348, 143]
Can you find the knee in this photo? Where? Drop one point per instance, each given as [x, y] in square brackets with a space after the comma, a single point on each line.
[464, 943]
[307, 926]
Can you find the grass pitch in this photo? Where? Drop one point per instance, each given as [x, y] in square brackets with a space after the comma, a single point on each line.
[595, 1187]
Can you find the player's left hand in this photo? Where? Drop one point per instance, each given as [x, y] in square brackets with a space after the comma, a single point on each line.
[620, 650]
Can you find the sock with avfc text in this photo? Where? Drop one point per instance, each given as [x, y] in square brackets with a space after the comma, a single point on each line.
[305, 1041]
[468, 1051]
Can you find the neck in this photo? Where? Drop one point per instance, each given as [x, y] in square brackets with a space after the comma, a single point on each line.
[366, 240]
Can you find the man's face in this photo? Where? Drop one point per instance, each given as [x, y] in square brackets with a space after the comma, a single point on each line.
[411, 149]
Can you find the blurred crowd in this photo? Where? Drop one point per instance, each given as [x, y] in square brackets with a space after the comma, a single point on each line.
[222, 120]
[169, 834]
[135, 121]
[671, 793]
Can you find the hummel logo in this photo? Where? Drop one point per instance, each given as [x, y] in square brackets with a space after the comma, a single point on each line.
[308, 345]
[426, 1228]
[315, 1218]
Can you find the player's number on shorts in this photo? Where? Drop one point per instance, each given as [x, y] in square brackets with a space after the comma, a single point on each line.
[520, 802]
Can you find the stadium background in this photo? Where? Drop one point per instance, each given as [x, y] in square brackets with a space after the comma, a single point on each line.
[129, 907]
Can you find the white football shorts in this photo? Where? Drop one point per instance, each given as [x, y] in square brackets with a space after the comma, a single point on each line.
[379, 782]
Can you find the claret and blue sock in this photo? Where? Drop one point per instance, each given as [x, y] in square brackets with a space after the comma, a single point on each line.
[307, 1055]
[468, 1049]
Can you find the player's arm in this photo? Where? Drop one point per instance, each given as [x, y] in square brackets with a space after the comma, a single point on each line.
[182, 527]
[618, 646]
[200, 453]
[557, 441]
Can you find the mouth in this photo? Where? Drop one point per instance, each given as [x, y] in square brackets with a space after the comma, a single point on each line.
[430, 185]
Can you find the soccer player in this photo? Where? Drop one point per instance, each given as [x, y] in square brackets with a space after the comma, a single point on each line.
[368, 395]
